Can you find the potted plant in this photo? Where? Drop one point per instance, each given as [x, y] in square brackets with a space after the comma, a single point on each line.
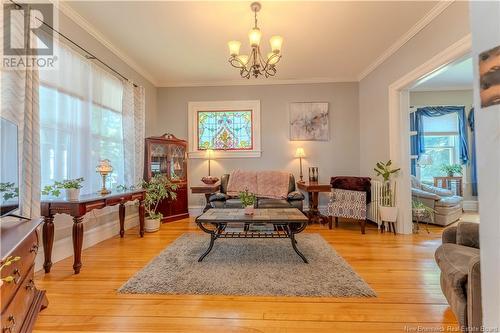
[248, 201]
[451, 169]
[421, 211]
[388, 211]
[157, 189]
[70, 186]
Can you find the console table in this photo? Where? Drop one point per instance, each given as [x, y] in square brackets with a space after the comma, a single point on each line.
[77, 209]
[313, 190]
[208, 190]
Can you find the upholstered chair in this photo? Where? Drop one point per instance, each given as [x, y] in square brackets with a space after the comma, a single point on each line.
[347, 204]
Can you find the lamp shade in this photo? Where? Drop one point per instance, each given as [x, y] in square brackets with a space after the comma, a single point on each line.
[424, 159]
[276, 43]
[234, 48]
[104, 167]
[300, 152]
[254, 37]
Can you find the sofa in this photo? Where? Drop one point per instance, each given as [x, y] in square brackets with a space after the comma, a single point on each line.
[447, 206]
[458, 260]
[221, 199]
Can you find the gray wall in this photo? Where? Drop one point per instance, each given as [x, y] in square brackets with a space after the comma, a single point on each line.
[450, 97]
[338, 156]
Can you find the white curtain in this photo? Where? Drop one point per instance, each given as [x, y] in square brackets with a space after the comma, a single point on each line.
[20, 106]
[133, 132]
[81, 121]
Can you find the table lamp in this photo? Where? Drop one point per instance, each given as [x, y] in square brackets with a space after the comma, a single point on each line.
[209, 155]
[104, 168]
[300, 154]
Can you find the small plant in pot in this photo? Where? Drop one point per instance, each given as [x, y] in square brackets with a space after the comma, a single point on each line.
[70, 186]
[248, 201]
[388, 211]
[451, 169]
[158, 188]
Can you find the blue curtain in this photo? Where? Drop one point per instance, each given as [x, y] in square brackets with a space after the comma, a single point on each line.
[437, 111]
[473, 172]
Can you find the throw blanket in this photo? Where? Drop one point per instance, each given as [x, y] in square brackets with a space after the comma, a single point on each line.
[353, 184]
[240, 180]
[272, 184]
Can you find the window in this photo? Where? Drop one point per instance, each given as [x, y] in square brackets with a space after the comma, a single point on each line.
[232, 128]
[441, 141]
[80, 122]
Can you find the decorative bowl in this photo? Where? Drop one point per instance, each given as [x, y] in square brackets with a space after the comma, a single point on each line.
[210, 180]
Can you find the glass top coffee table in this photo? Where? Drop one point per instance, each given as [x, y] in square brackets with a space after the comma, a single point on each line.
[264, 223]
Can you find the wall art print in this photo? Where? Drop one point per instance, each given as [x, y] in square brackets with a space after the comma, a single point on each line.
[309, 121]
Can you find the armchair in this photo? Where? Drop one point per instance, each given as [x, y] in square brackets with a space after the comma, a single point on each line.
[447, 206]
[458, 260]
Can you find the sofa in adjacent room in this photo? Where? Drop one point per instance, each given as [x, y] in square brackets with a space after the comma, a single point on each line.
[458, 260]
[292, 199]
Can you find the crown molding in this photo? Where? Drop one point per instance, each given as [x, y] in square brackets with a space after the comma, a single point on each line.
[251, 82]
[421, 24]
[85, 25]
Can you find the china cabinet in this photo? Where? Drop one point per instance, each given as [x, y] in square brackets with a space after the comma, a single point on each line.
[166, 155]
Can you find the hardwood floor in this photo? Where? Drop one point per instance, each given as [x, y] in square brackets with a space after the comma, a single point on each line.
[401, 269]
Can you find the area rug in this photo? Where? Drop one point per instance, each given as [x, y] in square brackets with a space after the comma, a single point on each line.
[256, 267]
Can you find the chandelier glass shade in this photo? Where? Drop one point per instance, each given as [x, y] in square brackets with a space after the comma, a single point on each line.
[255, 64]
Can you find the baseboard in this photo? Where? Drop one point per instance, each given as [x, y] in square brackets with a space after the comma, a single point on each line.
[63, 248]
[471, 205]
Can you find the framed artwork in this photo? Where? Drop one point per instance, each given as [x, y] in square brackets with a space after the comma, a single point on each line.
[309, 121]
[489, 76]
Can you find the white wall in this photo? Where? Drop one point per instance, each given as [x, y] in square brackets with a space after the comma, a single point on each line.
[339, 156]
[449, 97]
[485, 26]
[449, 27]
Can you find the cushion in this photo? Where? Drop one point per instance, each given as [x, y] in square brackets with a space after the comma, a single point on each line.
[437, 190]
[453, 260]
[415, 183]
[272, 203]
[449, 201]
[217, 197]
[418, 193]
[468, 234]
[295, 195]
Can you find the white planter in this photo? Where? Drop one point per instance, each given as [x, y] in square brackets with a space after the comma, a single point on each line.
[388, 214]
[72, 194]
[151, 225]
[249, 210]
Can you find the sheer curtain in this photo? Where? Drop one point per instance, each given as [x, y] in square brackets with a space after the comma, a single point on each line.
[81, 121]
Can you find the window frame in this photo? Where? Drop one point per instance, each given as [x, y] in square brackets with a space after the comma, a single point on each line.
[246, 105]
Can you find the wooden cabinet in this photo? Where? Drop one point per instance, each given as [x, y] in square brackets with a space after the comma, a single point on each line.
[167, 155]
[21, 300]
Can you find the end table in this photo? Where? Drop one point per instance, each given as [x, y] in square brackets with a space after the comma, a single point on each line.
[313, 190]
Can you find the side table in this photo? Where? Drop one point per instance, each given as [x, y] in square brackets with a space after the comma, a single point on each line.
[208, 190]
[313, 190]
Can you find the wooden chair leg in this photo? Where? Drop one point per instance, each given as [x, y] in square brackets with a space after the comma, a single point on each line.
[336, 222]
[382, 227]
[394, 227]
[330, 222]
[363, 224]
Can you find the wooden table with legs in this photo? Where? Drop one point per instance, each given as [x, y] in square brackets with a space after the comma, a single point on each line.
[77, 209]
[207, 190]
[313, 190]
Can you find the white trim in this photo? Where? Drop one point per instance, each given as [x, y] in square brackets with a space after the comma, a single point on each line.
[442, 88]
[399, 126]
[471, 205]
[257, 82]
[91, 30]
[421, 24]
[194, 107]
[63, 248]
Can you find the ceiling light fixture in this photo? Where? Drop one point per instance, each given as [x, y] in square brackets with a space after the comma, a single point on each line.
[255, 65]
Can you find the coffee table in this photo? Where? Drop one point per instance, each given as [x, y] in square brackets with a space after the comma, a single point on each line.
[285, 222]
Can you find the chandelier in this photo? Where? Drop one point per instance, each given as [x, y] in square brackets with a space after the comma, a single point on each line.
[255, 64]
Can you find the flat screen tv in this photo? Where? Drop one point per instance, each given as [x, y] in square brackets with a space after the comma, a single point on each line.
[9, 173]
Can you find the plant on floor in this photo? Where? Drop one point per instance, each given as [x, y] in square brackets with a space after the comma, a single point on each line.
[419, 208]
[386, 171]
[71, 186]
[157, 189]
[451, 169]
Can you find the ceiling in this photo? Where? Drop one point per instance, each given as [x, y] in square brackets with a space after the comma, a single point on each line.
[456, 76]
[184, 43]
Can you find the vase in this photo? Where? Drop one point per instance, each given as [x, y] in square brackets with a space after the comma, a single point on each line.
[72, 194]
[151, 225]
[249, 210]
[388, 214]
[313, 174]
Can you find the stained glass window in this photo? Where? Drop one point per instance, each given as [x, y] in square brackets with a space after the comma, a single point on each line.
[225, 130]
